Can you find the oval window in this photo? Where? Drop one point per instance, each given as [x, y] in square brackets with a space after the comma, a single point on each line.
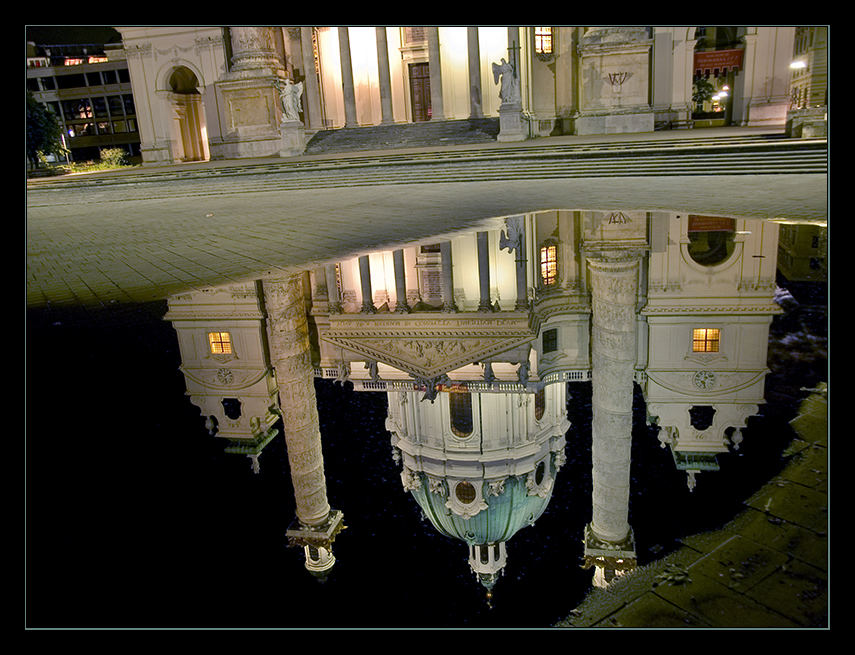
[711, 239]
[465, 492]
[540, 473]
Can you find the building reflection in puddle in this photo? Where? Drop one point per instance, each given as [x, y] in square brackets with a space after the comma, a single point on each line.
[477, 339]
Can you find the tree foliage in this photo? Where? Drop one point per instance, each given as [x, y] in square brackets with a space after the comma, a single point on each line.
[44, 133]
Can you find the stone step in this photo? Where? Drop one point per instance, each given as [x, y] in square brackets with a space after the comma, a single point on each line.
[404, 135]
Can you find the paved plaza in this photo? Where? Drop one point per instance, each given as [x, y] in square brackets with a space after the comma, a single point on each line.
[142, 234]
[768, 568]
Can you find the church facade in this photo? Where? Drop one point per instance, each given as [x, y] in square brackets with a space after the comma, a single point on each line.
[214, 93]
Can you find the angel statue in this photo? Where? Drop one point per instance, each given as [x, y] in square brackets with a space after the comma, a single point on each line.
[289, 98]
[510, 90]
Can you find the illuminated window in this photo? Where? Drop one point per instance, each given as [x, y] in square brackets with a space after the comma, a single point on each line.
[549, 264]
[543, 40]
[221, 342]
[705, 340]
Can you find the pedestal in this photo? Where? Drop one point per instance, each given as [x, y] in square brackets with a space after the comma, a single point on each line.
[615, 121]
[293, 140]
[249, 118]
[511, 127]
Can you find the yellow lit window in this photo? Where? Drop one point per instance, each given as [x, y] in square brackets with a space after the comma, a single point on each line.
[543, 40]
[705, 340]
[221, 342]
[549, 264]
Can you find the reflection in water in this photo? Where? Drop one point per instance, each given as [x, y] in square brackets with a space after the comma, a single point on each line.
[474, 337]
[563, 369]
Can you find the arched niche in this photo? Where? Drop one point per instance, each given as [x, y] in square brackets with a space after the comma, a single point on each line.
[188, 130]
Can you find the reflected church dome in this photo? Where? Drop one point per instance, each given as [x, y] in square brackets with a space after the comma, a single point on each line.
[482, 468]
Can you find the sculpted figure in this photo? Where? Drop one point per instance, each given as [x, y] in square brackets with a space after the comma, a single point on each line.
[509, 91]
[289, 97]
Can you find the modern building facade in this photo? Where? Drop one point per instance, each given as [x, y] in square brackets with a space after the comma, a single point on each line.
[86, 84]
[211, 93]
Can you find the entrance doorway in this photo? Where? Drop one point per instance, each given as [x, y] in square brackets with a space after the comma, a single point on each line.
[188, 118]
[420, 91]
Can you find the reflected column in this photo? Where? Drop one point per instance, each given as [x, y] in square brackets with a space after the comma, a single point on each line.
[288, 336]
[447, 277]
[609, 541]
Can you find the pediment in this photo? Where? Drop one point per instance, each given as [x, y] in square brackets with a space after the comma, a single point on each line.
[428, 346]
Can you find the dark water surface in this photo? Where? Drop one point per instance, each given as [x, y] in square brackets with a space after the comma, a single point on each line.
[135, 517]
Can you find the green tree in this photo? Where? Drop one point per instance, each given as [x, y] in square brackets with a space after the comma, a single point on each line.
[702, 90]
[44, 133]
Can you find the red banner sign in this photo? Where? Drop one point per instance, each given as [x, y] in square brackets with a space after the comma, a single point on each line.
[720, 59]
[710, 224]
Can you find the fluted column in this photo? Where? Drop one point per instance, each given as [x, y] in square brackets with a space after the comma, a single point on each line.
[614, 288]
[401, 306]
[288, 337]
[365, 282]
[484, 304]
[437, 111]
[347, 78]
[313, 94]
[384, 77]
[332, 289]
[447, 277]
[475, 110]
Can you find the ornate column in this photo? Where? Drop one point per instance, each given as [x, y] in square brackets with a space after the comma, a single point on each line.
[347, 78]
[447, 277]
[253, 50]
[313, 94]
[288, 336]
[332, 289]
[437, 111]
[475, 110]
[401, 306]
[384, 77]
[365, 281]
[250, 111]
[609, 542]
[484, 272]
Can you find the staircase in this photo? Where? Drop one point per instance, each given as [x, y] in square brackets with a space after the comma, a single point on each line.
[404, 135]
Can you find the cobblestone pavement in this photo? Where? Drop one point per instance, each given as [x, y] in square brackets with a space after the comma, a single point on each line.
[140, 235]
[765, 569]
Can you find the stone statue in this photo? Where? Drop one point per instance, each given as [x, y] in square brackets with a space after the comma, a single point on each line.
[289, 97]
[510, 89]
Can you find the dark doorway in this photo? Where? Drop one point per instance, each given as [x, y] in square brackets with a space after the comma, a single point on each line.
[420, 91]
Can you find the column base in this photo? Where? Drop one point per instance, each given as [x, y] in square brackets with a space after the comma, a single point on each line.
[316, 542]
[316, 535]
[608, 555]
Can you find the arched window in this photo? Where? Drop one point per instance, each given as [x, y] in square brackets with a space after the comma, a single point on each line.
[460, 410]
[548, 263]
[539, 403]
